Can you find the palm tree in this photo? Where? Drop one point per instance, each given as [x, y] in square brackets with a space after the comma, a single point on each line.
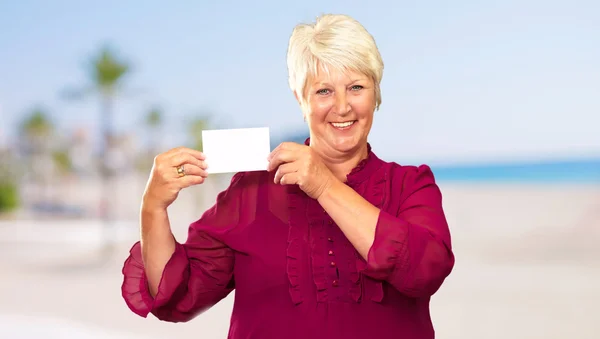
[154, 120]
[9, 190]
[196, 126]
[36, 132]
[106, 72]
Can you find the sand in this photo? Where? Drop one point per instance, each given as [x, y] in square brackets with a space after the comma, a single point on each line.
[528, 266]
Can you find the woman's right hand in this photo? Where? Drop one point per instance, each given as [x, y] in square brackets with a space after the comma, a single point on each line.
[165, 182]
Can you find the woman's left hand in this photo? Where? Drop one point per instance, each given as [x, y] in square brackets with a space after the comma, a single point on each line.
[299, 164]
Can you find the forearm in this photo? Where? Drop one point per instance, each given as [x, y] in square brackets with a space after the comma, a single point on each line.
[354, 215]
[157, 244]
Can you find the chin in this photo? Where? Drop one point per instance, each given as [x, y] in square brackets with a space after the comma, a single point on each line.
[345, 145]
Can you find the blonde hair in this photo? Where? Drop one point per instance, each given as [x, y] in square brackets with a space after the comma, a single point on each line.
[337, 41]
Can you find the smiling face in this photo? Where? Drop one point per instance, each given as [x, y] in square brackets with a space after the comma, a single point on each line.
[339, 110]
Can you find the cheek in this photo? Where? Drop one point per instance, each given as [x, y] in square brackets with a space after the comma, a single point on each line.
[319, 109]
[364, 106]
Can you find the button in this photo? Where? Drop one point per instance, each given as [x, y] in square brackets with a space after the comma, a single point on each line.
[332, 264]
[330, 252]
[335, 283]
[329, 239]
[330, 222]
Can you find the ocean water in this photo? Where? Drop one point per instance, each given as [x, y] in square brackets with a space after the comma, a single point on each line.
[573, 171]
[582, 171]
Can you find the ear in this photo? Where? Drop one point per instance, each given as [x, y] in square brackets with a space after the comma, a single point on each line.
[297, 97]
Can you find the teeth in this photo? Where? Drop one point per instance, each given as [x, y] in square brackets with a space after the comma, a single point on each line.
[342, 124]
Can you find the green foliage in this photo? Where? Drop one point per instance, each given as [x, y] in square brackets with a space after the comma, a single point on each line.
[9, 196]
[154, 117]
[62, 160]
[107, 70]
[196, 126]
[9, 192]
[37, 124]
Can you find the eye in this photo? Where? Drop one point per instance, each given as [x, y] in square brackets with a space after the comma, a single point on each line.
[357, 87]
[323, 91]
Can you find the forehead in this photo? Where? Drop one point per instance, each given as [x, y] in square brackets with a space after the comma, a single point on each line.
[334, 75]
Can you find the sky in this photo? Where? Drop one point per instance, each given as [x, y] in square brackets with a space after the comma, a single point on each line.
[464, 81]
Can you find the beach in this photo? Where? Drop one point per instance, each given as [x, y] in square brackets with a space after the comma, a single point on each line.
[498, 99]
[527, 266]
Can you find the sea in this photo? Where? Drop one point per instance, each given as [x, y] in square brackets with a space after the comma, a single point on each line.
[581, 171]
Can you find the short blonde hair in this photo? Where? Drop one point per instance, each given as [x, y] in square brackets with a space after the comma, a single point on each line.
[337, 41]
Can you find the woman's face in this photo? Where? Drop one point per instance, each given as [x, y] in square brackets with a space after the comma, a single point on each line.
[339, 112]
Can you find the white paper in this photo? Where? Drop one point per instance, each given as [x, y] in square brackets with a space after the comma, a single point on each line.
[236, 150]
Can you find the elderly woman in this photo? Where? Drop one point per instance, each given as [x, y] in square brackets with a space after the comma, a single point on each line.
[329, 242]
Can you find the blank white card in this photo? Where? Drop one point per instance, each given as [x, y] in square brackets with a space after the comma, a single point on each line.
[236, 150]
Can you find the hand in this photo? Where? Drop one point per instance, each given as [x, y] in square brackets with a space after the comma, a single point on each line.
[299, 165]
[165, 182]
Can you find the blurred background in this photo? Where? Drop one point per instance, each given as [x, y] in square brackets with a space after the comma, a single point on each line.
[500, 98]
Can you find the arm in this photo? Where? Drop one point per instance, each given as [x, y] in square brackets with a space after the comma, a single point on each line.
[196, 274]
[410, 249]
[157, 245]
[354, 215]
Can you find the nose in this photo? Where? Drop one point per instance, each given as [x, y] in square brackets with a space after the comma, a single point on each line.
[342, 105]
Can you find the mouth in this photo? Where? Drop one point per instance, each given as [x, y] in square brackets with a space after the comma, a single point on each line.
[343, 125]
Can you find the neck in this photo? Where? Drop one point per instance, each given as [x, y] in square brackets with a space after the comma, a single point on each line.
[341, 164]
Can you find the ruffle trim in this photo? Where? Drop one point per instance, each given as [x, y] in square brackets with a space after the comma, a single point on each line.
[377, 198]
[294, 246]
[135, 285]
[317, 239]
[361, 171]
[369, 168]
[134, 289]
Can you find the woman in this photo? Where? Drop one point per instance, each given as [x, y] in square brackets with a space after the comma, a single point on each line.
[330, 242]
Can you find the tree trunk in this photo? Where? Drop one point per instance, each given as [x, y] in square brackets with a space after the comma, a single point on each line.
[107, 212]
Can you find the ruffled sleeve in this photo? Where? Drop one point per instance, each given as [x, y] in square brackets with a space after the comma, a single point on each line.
[412, 248]
[199, 273]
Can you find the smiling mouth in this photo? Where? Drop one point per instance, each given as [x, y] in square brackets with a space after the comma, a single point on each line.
[343, 125]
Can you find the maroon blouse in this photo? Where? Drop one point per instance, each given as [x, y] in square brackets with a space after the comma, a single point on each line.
[295, 273]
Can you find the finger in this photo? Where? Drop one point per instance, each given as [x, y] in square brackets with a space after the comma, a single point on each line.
[186, 158]
[189, 169]
[281, 157]
[282, 146]
[283, 170]
[190, 180]
[195, 153]
[289, 178]
[274, 151]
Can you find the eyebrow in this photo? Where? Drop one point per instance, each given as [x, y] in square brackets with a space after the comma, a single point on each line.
[328, 84]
